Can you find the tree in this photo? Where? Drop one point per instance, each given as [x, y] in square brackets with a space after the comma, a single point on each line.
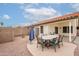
[1, 23]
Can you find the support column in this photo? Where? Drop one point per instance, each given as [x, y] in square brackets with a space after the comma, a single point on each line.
[75, 27]
[70, 31]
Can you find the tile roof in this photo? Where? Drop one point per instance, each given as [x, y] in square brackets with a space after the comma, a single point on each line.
[60, 18]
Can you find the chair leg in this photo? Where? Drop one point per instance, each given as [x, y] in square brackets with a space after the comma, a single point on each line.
[55, 48]
[37, 45]
[42, 48]
[58, 45]
[62, 43]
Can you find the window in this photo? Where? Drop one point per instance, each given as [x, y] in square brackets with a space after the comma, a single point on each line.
[56, 30]
[71, 29]
[41, 27]
[77, 27]
[66, 29]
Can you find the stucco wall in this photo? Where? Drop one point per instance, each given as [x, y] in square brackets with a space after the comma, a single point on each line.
[19, 31]
[60, 27]
[9, 34]
[51, 27]
[6, 34]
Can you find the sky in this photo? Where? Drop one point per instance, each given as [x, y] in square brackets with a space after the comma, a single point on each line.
[23, 14]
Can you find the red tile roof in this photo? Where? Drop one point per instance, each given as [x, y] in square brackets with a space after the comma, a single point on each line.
[60, 18]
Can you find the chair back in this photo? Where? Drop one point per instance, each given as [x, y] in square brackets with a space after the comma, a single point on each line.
[39, 40]
[55, 40]
[60, 37]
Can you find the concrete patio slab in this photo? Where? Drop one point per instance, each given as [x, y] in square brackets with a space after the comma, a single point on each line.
[66, 50]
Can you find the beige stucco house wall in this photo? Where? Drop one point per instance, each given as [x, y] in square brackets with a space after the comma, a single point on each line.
[50, 27]
[60, 26]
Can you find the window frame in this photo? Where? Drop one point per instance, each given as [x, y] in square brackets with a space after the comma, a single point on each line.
[66, 29]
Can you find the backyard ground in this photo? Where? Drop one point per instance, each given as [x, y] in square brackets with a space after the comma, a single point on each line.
[18, 47]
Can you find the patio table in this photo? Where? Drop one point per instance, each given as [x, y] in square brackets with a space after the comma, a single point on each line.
[47, 38]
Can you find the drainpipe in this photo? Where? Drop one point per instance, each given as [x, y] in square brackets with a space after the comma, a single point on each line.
[69, 31]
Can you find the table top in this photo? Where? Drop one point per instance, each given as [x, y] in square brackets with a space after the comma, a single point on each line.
[49, 37]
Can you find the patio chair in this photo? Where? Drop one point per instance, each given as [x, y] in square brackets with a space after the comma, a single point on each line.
[40, 42]
[74, 38]
[60, 39]
[54, 43]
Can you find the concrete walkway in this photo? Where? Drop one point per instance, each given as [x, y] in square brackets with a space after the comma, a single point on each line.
[16, 48]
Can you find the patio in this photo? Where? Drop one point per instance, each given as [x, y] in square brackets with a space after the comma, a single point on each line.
[66, 50]
[21, 47]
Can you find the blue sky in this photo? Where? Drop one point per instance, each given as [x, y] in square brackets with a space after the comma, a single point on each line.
[29, 13]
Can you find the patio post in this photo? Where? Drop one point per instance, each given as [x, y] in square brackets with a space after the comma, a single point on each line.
[69, 31]
[75, 25]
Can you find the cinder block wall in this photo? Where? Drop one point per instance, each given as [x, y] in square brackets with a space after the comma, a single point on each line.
[6, 35]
